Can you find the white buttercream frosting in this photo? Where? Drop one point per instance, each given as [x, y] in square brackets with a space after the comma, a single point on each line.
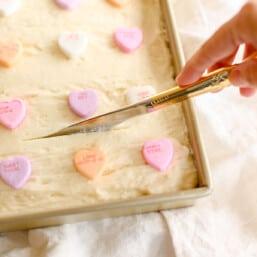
[44, 77]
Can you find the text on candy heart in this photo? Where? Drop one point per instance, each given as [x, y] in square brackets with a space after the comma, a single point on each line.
[72, 43]
[83, 102]
[16, 171]
[128, 39]
[158, 153]
[89, 162]
[12, 113]
[10, 52]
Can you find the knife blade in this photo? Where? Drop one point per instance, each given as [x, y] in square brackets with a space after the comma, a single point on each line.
[211, 82]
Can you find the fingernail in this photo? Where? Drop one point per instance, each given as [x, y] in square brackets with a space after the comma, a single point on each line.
[183, 81]
[179, 79]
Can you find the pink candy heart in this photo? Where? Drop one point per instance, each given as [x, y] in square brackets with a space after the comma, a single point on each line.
[67, 4]
[128, 39]
[158, 153]
[12, 113]
[15, 172]
[84, 103]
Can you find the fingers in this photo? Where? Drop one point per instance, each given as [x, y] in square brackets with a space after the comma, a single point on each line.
[222, 46]
[245, 74]
[217, 48]
[225, 62]
[248, 50]
[247, 91]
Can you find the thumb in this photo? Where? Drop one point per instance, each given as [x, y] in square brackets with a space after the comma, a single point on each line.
[245, 74]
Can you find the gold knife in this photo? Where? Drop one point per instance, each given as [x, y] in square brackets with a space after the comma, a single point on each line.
[213, 81]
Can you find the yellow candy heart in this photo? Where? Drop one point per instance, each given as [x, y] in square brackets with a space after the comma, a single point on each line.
[119, 3]
[10, 52]
[89, 162]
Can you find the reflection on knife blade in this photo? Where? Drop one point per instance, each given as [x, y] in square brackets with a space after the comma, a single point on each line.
[102, 122]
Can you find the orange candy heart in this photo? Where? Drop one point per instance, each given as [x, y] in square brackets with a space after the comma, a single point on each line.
[10, 52]
[119, 3]
[89, 162]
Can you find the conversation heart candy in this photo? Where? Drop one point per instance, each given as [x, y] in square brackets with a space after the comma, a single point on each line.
[89, 162]
[83, 102]
[72, 43]
[67, 4]
[128, 39]
[8, 7]
[12, 113]
[158, 153]
[119, 3]
[136, 94]
[16, 171]
[10, 52]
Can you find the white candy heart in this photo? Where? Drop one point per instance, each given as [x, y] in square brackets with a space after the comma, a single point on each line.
[8, 7]
[72, 43]
[137, 94]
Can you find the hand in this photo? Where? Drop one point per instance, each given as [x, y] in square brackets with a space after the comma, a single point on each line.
[221, 48]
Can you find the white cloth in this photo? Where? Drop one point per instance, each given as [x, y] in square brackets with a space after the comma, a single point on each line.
[224, 224]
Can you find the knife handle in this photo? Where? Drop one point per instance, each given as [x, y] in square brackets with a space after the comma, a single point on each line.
[212, 82]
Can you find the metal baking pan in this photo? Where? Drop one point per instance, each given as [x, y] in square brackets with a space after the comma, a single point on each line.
[144, 203]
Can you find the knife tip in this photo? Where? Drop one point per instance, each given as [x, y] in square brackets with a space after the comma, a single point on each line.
[34, 138]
